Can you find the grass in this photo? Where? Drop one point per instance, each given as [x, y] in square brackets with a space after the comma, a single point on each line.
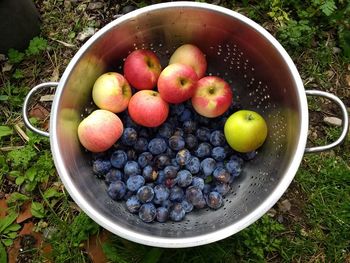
[317, 227]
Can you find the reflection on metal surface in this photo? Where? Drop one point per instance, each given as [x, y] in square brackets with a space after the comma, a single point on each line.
[263, 78]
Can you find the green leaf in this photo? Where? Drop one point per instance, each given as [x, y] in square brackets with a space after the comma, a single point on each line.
[22, 157]
[71, 35]
[38, 210]
[36, 46]
[15, 173]
[50, 193]
[7, 242]
[15, 56]
[3, 254]
[5, 131]
[13, 228]
[30, 186]
[4, 97]
[20, 180]
[30, 174]
[328, 7]
[18, 74]
[12, 235]
[7, 221]
[17, 198]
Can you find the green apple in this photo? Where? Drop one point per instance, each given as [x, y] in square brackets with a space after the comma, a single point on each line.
[245, 131]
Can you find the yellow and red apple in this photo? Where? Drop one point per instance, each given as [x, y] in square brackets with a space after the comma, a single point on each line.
[147, 108]
[192, 56]
[177, 83]
[112, 92]
[100, 130]
[213, 97]
[142, 68]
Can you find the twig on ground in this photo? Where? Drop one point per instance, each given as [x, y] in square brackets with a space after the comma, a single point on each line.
[10, 148]
[63, 43]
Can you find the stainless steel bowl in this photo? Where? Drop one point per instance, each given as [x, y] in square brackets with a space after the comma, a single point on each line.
[263, 78]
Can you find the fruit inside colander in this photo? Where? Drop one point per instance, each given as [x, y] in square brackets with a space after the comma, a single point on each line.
[263, 78]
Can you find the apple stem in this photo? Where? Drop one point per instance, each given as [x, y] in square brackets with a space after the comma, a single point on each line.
[211, 90]
[124, 89]
[149, 63]
[250, 117]
[182, 81]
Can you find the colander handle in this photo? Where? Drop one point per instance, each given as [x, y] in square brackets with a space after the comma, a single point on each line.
[26, 105]
[345, 121]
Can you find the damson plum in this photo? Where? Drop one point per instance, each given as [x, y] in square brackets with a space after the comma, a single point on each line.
[162, 214]
[145, 159]
[222, 189]
[135, 182]
[116, 190]
[191, 142]
[149, 173]
[129, 136]
[221, 175]
[203, 150]
[118, 159]
[161, 193]
[113, 175]
[217, 138]
[141, 145]
[177, 213]
[133, 204]
[218, 153]
[198, 182]
[176, 194]
[189, 126]
[145, 194]
[194, 195]
[193, 165]
[183, 157]
[208, 166]
[157, 146]
[214, 200]
[184, 178]
[203, 134]
[233, 166]
[186, 115]
[160, 178]
[176, 142]
[170, 171]
[147, 212]
[161, 160]
[131, 168]
[187, 206]
[101, 167]
[166, 130]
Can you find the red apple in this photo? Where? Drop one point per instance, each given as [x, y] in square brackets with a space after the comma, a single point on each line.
[142, 69]
[213, 96]
[192, 56]
[112, 92]
[147, 108]
[177, 83]
[100, 130]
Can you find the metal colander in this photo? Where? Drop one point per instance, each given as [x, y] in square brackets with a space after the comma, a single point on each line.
[263, 78]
